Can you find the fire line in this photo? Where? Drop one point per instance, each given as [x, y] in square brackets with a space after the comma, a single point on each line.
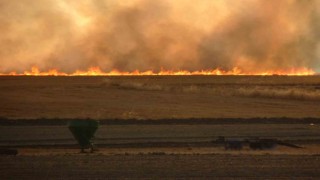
[96, 71]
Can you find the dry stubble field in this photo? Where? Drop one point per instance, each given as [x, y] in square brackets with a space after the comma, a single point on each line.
[153, 149]
[154, 97]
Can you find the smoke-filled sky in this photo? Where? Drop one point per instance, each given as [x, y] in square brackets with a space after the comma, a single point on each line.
[254, 35]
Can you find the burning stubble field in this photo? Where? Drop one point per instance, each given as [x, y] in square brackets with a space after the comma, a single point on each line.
[160, 126]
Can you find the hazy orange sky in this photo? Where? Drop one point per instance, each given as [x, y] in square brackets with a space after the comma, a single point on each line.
[254, 35]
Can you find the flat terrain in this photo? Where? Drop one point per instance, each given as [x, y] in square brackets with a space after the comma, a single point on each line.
[156, 97]
[161, 166]
[155, 135]
[160, 127]
[161, 151]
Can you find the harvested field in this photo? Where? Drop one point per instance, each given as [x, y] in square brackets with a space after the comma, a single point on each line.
[158, 97]
[160, 126]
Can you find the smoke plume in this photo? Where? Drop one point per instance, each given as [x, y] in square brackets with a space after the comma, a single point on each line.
[254, 35]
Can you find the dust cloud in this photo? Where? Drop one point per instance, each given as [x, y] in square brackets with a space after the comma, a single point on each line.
[130, 35]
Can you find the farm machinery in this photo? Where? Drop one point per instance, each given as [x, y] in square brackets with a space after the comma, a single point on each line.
[83, 131]
[253, 143]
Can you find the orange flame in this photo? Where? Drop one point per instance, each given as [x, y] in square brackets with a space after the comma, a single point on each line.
[96, 71]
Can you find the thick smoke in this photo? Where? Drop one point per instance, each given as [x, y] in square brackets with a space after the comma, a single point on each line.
[254, 35]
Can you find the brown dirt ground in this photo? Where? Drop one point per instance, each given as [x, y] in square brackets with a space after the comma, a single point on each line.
[127, 151]
[160, 151]
[159, 97]
[165, 166]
